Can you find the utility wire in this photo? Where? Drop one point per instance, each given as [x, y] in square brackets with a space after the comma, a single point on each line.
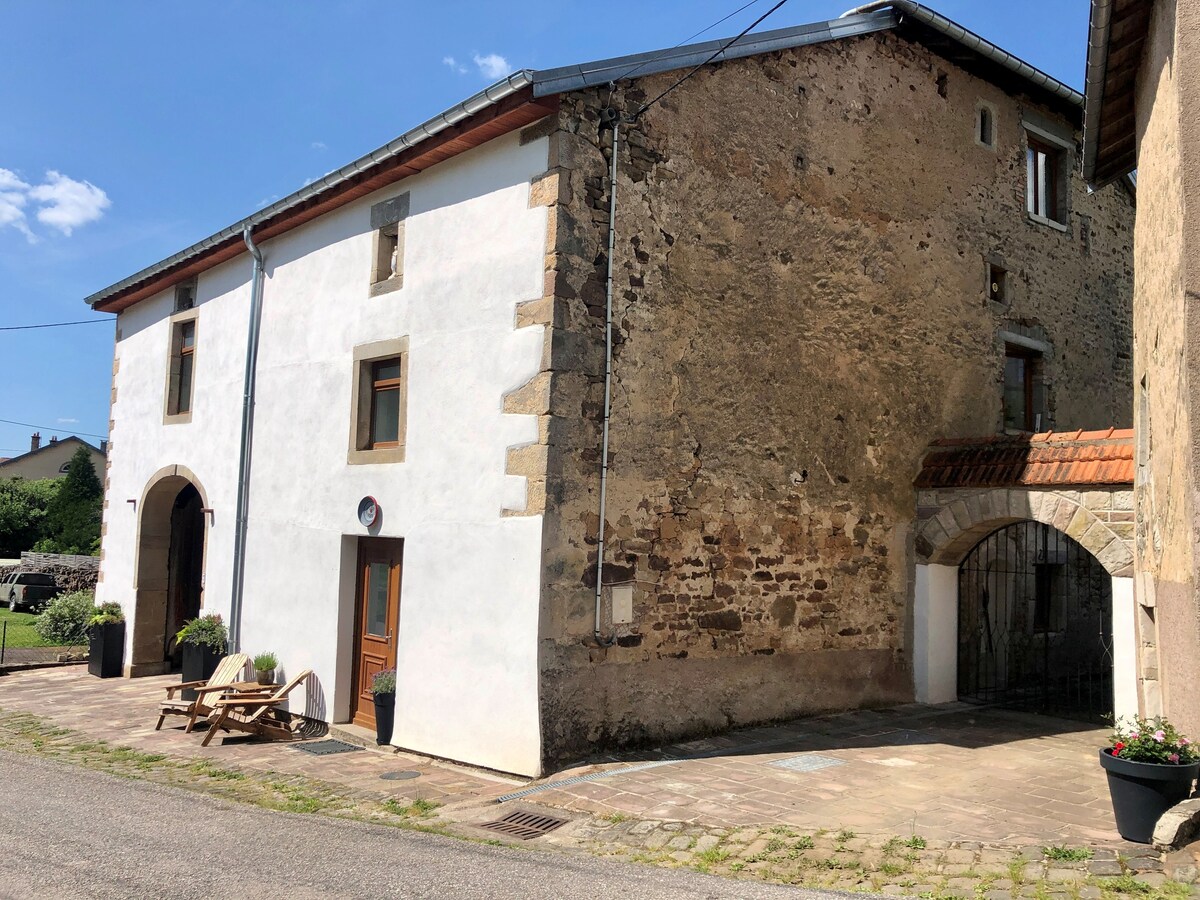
[715, 54]
[52, 325]
[658, 55]
[54, 428]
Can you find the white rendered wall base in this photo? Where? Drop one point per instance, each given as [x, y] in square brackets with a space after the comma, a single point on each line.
[935, 634]
[1124, 632]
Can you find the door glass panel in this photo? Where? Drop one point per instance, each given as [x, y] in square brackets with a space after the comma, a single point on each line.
[377, 599]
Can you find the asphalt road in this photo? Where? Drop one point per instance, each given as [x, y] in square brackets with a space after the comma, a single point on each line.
[67, 832]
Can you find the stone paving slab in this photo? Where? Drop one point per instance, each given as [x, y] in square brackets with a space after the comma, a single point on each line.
[124, 711]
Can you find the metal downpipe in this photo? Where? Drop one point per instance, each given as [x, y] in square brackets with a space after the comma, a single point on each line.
[608, 360]
[243, 487]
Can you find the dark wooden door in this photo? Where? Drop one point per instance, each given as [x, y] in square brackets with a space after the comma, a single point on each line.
[377, 620]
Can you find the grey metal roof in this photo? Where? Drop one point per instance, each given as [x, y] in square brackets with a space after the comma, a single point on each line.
[941, 34]
[602, 71]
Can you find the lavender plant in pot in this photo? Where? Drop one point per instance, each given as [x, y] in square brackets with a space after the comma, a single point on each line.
[383, 687]
[1150, 767]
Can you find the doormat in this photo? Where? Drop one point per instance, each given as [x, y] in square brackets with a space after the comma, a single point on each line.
[810, 762]
[324, 748]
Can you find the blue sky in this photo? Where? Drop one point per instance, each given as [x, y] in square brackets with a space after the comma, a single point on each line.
[131, 130]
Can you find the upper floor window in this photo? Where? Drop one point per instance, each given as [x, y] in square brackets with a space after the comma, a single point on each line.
[985, 126]
[185, 295]
[181, 368]
[1047, 176]
[380, 402]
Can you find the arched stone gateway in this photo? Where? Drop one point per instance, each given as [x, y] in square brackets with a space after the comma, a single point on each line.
[169, 569]
[1079, 485]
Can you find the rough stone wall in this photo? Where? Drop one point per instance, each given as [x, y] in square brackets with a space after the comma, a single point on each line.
[800, 308]
[1167, 329]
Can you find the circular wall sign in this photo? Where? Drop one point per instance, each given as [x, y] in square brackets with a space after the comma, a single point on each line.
[368, 511]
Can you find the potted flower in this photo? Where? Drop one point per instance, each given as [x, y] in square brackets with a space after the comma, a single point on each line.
[264, 667]
[383, 686]
[106, 641]
[1150, 767]
[203, 641]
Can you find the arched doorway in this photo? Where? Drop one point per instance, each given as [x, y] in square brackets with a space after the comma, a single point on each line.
[170, 567]
[1035, 626]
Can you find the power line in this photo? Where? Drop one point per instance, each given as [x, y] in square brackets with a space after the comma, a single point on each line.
[54, 428]
[715, 54]
[52, 325]
[658, 55]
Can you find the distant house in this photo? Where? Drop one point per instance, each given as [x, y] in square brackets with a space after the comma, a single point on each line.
[586, 484]
[50, 460]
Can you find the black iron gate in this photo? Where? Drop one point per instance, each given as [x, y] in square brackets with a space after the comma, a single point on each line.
[1035, 624]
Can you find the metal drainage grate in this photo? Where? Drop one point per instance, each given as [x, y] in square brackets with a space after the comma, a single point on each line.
[400, 776]
[810, 762]
[324, 748]
[524, 825]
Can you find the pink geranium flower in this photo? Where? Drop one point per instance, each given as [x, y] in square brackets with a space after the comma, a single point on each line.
[1174, 757]
[1160, 735]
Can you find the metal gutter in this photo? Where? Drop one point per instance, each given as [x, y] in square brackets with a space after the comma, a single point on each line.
[603, 71]
[489, 96]
[974, 42]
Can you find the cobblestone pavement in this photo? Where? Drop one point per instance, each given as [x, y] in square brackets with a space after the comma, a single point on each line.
[920, 801]
[949, 773]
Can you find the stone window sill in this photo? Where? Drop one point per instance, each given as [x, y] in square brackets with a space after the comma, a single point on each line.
[387, 285]
[375, 457]
[1050, 223]
[178, 418]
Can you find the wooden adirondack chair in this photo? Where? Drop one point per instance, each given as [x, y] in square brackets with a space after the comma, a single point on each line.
[261, 715]
[229, 670]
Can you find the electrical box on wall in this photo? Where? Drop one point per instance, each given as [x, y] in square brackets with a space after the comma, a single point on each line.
[622, 604]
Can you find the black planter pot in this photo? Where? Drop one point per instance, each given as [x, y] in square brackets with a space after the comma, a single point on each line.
[1141, 792]
[385, 717]
[199, 662]
[106, 650]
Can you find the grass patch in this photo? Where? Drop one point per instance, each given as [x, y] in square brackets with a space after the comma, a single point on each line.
[805, 843]
[916, 842]
[704, 861]
[1126, 884]
[845, 835]
[616, 818]
[1063, 853]
[417, 809]
[20, 631]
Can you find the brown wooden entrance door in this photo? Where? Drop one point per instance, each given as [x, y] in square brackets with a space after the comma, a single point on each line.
[377, 620]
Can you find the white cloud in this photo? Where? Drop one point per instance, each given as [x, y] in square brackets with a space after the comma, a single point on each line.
[454, 64]
[492, 66]
[319, 145]
[68, 421]
[68, 203]
[12, 202]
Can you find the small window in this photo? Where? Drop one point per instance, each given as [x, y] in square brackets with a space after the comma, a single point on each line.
[1043, 169]
[185, 295]
[997, 283]
[1022, 394]
[181, 377]
[380, 402]
[388, 264]
[985, 127]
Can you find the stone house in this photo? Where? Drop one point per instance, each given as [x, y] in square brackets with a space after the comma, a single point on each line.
[1143, 95]
[50, 460]
[834, 246]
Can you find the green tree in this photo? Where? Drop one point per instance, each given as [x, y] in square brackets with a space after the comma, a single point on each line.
[73, 519]
[23, 513]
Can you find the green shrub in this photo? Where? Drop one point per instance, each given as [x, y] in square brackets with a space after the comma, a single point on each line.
[107, 614]
[208, 631]
[65, 619]
[265, 662]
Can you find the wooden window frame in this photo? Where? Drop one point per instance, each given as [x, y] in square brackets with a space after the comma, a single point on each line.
[378, 387]
[364, 388]
[172, 414]
[1013, 351]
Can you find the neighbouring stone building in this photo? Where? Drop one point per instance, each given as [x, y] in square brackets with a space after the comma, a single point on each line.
[1143, 99]
[834, 247]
